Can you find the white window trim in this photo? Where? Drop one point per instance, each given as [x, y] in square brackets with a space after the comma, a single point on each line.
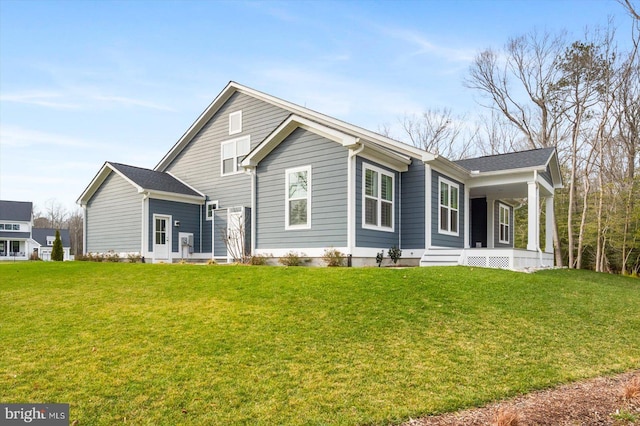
[507, 225]
[380, 172]
[235, 117]
[236, 169]
[287, 199]
[440, 205]
[206, 211]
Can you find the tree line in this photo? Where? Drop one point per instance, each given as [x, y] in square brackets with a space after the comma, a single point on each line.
[55, 216]
[581, 96]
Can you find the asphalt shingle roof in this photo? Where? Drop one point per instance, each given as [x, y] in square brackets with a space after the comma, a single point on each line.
[153, 180]
[41, 234]
[16, 210]
[514, 160]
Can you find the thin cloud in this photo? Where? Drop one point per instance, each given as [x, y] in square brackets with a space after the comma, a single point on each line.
[39, 98]
[20, 137]
[424, 46]
[121, 100]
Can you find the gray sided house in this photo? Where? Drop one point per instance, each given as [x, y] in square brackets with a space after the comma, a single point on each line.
[257, 175]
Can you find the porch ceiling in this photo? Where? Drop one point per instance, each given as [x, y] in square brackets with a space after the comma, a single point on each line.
[517, 190]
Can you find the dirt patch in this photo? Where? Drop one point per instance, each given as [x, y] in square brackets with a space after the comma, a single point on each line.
[602, 401]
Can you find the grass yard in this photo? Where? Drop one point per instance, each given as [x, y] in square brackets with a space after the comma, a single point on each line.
[201, 345]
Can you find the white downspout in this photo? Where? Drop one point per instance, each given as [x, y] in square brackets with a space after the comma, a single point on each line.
[252, 172]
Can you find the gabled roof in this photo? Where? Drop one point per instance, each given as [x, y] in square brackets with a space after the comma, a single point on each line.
[40, 236]
[158, 184]
[534, 159]
[16, 210]
[299, 111]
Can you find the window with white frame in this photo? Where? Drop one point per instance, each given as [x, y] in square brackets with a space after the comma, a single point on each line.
[211, 206]
[235, 122]
[50, 240]
[298, 198]
[448, 212]
[377, 198]
[232, 153]
[505, 223]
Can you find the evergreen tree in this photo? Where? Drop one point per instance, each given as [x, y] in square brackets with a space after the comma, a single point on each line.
[57, 253]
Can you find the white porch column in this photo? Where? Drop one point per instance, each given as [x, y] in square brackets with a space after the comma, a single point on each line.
[533, 236]
[490, 225]
[549, 220]
[467, 216]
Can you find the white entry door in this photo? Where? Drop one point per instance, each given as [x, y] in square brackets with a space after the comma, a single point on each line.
[235, 234]
[161, 237]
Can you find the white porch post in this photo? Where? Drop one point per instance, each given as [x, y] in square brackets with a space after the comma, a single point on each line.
[549, 220]
[490, 225]
[533, 237]
[467, 216]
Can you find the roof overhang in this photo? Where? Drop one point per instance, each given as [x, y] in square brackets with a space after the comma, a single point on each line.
[107, 169]
[297, 110]
[371, 150]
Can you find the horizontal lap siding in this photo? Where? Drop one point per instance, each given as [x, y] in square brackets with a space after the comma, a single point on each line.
[328, 161]
[370, 237]
[443, 240]
[199, 162]
[187, 214]
[413, 206]
[114, 217]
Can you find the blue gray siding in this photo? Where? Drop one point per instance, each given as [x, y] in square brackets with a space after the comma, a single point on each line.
[220, 232]
[187, 214]
[370, 237]
[444, 240]
[412, 211]
[114, 217]
[328, 161]
[199, 162]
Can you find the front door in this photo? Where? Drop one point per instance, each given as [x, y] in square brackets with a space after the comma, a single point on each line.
[479, 222]
[161, 237]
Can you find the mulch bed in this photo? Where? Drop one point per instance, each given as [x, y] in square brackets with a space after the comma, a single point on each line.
[602, 401]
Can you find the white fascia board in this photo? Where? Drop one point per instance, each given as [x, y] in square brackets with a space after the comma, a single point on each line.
[186, 184]
[385, 158]
[494, 179]
[97, 181]
[172, 196]
[448, 168]
[286, 128]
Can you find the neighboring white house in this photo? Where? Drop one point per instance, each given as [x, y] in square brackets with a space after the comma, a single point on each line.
[19, 240]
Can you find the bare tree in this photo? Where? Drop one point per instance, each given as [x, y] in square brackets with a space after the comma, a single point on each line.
[520, 83]
[437, 131]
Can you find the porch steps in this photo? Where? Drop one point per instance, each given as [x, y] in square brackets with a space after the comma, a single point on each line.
[441, 257]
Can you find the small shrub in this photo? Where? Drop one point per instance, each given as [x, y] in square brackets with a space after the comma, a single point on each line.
[34, 256]
[211, 262]
[134, 257]
[258, 260]
[292, 259]
[395, 253]
[333, 258]
[632, 389]
[379, 258]
[112, 257]
[506, 417]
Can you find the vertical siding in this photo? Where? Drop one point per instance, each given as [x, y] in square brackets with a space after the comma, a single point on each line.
[370, 237]
[444, 240]
[199, 162]
[187, 214]
[114, 217]
[413, 206]
[328, 161]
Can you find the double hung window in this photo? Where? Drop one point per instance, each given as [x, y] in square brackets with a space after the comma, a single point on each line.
[505, 223]
[298, 198]
[378, 198]
[233, 152]
[448, 212]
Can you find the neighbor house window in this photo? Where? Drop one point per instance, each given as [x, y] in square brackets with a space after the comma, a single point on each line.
[235, 122]
[50, 240]
[448, 214]
[377, 197]
[211, 206]
[298, 198]
[505, 223]
[233, 152]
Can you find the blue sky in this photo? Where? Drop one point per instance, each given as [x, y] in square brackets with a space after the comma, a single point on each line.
[84, 82]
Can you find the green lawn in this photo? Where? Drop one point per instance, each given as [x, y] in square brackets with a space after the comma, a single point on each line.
[202, 345]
